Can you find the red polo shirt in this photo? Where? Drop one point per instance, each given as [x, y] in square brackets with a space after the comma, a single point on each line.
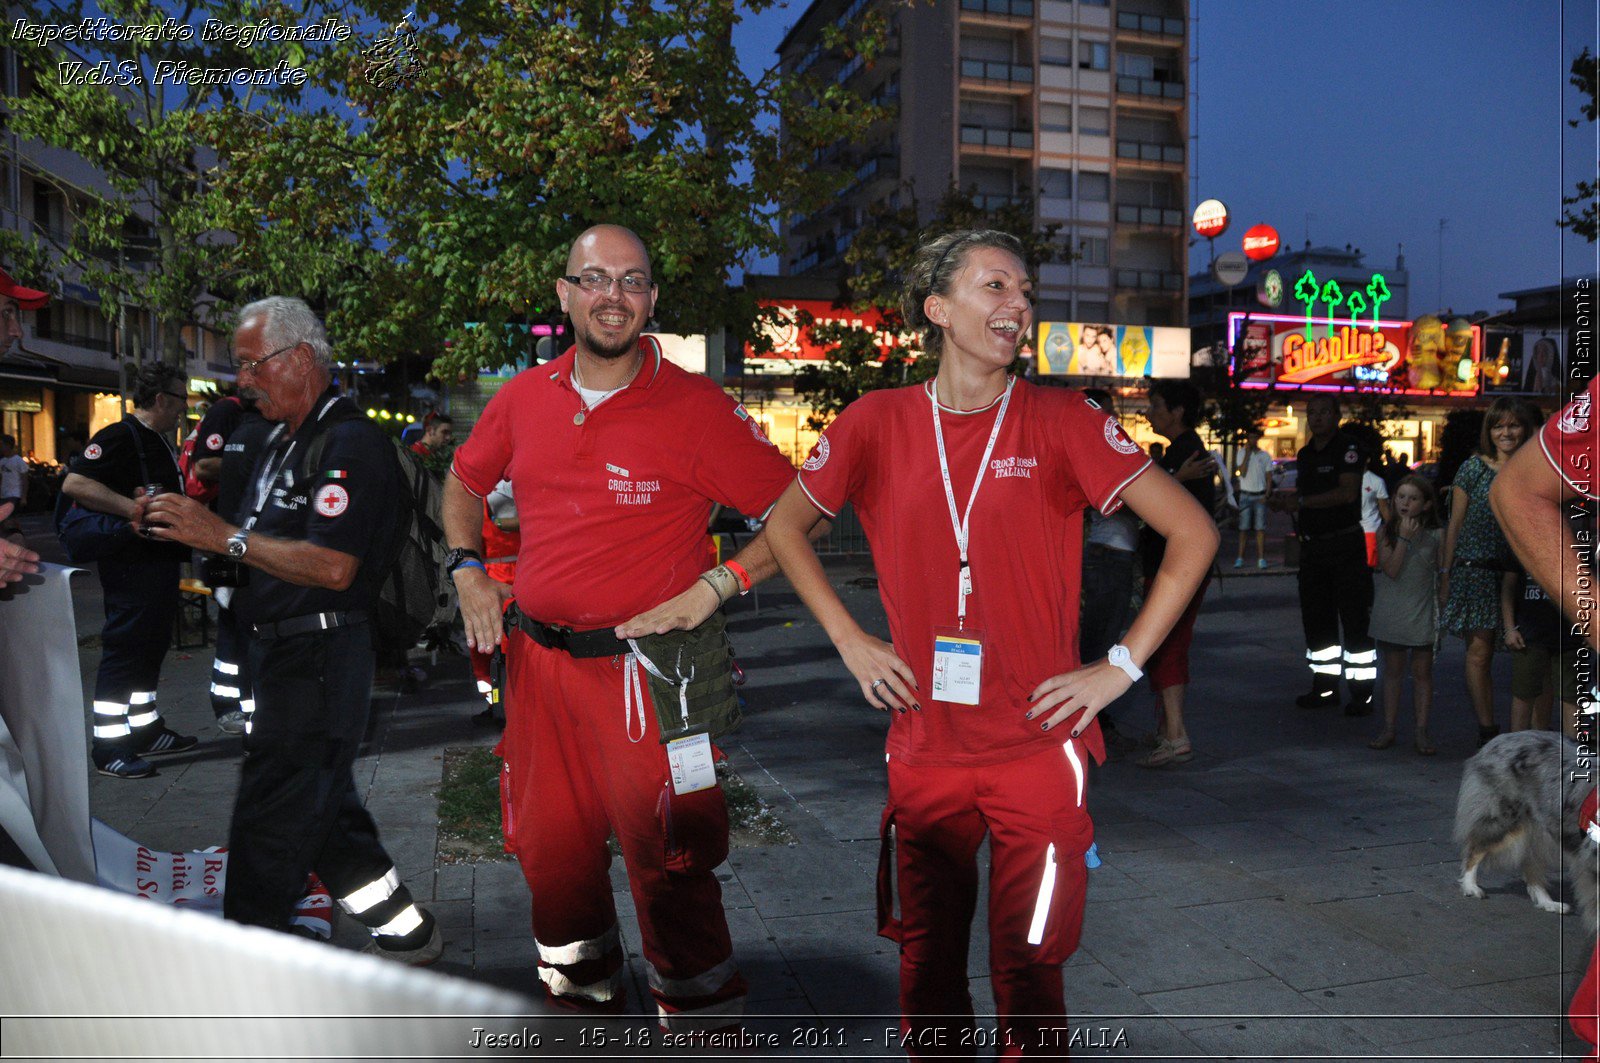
[1572, 443]
[1056, 454]
[613, 511]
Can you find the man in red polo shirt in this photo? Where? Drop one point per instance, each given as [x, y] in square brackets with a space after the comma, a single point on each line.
[615, 456]
[1530, 498]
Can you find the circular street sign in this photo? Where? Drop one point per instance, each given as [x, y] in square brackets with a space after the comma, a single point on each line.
[1269, 293]
[1211, 218]
[1260, 242]
[1230, 268]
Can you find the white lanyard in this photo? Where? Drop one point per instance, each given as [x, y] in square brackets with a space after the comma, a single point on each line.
[960, 523]
[264, 483]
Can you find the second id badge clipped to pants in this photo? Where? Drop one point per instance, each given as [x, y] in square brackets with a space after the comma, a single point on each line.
[957, 665]
[692, 766]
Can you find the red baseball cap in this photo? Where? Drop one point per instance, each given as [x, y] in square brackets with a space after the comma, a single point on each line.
[27, 298]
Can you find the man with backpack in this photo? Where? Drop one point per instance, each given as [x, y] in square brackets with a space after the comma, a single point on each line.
[139, 577]
[318, 527]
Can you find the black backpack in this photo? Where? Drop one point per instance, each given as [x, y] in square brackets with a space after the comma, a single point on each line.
[415, 593]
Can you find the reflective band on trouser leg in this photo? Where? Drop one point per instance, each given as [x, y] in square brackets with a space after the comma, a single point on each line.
[593, 967]
[401, 925]
[231, 693]
[1047, 891]
[1361, 666]
[224, 667]
[486, 691]
[372, 894]
[111, 720]
[713, 1014]
[1077, 768]
[1325, 661]
[148, 715]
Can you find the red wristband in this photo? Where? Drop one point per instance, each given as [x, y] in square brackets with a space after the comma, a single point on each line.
[740, 574]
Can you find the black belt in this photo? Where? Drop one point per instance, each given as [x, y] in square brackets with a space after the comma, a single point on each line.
[1354, 529]
[300, 625]
[599, 642]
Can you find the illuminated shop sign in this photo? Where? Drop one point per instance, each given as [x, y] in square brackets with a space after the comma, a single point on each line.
[1422, 357]
[792, 341]
[1079, 349]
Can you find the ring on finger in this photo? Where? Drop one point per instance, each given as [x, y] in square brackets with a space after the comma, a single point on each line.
[876, 683]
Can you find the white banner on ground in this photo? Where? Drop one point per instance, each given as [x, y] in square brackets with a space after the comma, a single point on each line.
[44, 775]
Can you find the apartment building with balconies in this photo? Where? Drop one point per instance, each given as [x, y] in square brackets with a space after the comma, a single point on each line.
[1078, 109]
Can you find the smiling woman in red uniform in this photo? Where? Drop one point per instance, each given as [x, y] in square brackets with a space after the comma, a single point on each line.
[971, 490]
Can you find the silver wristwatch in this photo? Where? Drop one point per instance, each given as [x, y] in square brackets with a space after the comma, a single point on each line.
[237, 544]
[1118, 655]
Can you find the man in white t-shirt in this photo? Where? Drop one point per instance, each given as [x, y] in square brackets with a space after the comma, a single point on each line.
[1254, 469]
[1374, 511]
[13, 483]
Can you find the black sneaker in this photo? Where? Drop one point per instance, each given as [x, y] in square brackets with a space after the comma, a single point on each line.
[1359, 707]
[168, 741]
[125, 766]
[418, 956]
[1316, 699]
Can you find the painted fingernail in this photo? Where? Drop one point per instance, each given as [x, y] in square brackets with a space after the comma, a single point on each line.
[1045, 726]
[1075, 734]
[914, 705]
[1028, 717]
[901, 709]
[1030, 698]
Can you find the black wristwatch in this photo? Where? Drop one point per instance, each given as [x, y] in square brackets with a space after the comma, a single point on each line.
[455, 558]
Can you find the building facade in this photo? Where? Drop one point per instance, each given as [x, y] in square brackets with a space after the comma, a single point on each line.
[1078, 109]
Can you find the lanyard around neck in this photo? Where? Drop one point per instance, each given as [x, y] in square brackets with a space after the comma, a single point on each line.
[273, 468]
[961, 522]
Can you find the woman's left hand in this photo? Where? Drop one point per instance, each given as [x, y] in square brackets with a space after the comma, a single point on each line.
[1087, 690]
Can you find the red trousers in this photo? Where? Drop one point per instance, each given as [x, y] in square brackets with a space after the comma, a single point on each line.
[1038, 827]
[575, 772]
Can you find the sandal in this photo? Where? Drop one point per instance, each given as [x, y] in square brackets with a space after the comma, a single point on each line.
[1423, 748]
[1384, 740]
[1167, 753]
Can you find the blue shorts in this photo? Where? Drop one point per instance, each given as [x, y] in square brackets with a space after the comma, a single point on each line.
[1252, 511]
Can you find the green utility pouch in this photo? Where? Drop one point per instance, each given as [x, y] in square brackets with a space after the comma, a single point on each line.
[691, 679]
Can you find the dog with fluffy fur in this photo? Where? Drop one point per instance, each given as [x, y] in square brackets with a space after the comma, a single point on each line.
[1518, 810]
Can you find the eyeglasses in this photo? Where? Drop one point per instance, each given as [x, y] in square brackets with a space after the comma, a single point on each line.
[601, 283]
[250, 365]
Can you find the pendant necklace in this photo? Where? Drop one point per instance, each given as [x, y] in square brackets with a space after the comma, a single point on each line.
[584, 407]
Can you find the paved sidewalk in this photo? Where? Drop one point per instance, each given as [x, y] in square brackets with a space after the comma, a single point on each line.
[1287, 894]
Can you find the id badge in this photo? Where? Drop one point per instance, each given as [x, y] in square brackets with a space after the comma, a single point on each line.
[957, 665]
[692, 767]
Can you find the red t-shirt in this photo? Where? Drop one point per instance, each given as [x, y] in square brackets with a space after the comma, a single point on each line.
[421, 449]
[1571, 442]
[613, 511]
[1056, 454]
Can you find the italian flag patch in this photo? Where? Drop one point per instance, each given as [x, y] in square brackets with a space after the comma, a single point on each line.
[337, 474]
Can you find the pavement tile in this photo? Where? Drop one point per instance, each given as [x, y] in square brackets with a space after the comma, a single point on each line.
[1455, 945]
[1180, 805]
[1296, 944]
[1125, 938]
[1544, 994]
[809, 937]
[1320, 883]
[1512, 1043]
[1197, 1007]
[1324, 1038]
[1255, 845]
[1393, 1012]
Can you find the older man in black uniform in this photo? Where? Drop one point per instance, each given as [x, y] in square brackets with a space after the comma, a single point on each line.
[140, 579]
[317, 525]
[1335, 582]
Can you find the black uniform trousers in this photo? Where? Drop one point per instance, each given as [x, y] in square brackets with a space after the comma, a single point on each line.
[141, 606]
[230, 669]
[1335, 593]
[297, 809]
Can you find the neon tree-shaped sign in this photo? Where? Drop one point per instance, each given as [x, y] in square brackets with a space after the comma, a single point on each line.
[1309, 292]
[1306, 290]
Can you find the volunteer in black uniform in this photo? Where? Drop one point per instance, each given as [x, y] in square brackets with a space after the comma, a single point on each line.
[318, 513]
[140, 580]
[225, 448]
[1335, 582]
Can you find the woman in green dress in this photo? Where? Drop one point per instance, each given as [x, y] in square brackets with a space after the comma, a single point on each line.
[1475, 552]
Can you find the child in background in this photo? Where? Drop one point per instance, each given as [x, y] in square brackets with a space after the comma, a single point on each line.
[1544, 665]
[1405, 603]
